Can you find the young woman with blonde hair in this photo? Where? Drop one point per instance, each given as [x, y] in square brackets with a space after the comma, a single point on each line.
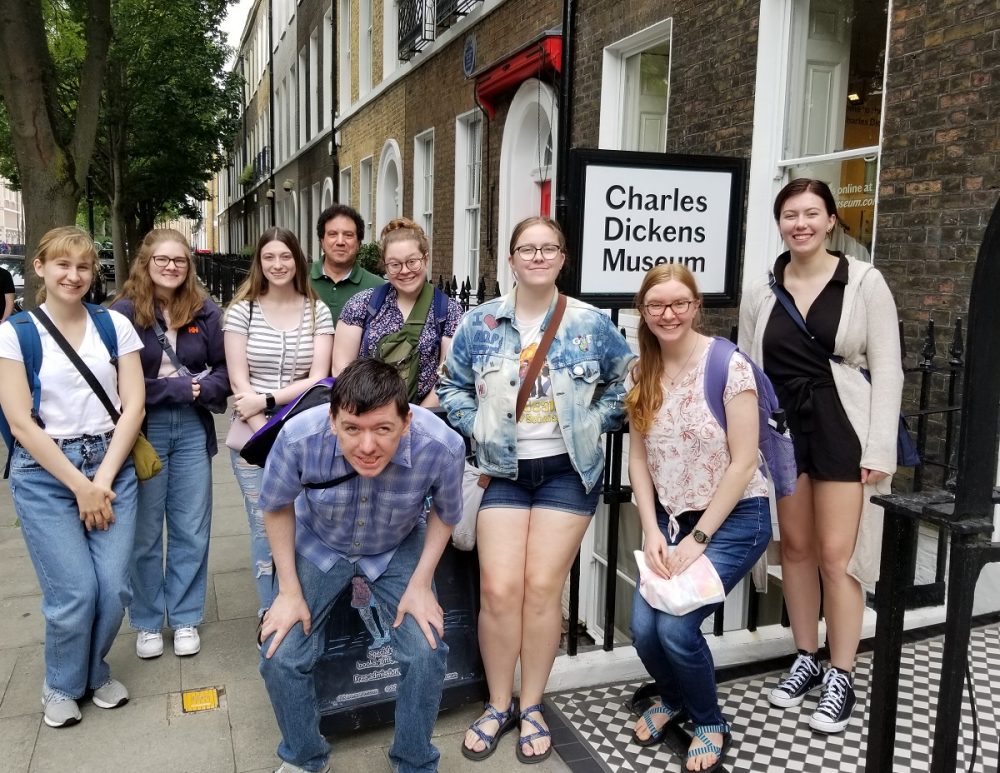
[71, 474]
[279, 339]
[405, 251]
[184, 364]
[699, 491]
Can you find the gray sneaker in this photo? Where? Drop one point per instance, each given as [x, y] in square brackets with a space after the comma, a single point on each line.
[287, 767]
[60, 711]
[110, 695]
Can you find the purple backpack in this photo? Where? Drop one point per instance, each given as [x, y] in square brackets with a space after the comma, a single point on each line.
[259, 446]
[775, 441]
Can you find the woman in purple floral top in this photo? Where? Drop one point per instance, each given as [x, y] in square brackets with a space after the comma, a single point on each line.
[404, 248]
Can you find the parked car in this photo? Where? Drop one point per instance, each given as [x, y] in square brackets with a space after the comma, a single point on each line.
[106, 261]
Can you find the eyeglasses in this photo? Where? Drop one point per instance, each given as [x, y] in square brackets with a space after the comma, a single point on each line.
[412, 264]
[528, 251]
[164, 260]
[656, 308]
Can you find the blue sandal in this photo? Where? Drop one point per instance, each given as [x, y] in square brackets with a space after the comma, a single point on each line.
[505, 720]
[707, 747]
[656, 735]
[540, 732]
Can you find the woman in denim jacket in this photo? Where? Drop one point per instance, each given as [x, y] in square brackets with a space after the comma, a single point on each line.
[162, 289]
[546, 469]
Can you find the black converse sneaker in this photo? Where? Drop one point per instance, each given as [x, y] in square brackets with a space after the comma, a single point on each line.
[835, 704]
[805, 676]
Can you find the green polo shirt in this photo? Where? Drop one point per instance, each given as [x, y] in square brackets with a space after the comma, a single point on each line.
[336, 294]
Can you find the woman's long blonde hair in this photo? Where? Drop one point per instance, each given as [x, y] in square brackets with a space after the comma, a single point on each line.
[186, 300]
[645, 398]
[67, 240]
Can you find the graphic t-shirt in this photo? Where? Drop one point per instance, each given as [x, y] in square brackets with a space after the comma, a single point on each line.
[538, 433]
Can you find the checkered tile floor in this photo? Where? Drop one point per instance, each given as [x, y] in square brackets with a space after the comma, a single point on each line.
[592, 728]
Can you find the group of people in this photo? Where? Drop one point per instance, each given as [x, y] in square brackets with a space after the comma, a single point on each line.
[368, 488]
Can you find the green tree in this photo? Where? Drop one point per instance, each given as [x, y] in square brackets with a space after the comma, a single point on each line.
[168, 106]
[51, 77]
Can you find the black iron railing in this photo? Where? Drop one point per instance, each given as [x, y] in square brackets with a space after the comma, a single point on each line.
[450, 11]
[416, 27]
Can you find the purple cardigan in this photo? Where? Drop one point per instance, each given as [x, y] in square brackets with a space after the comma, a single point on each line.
[199, 345]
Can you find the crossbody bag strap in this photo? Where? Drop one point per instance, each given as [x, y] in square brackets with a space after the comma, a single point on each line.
[788, 304]
[332, 483]
[539, 359]
[161, 336]
[81, 366]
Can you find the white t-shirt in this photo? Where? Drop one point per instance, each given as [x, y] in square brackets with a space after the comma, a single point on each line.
[69, 408]
[538, 433]
[275, 357]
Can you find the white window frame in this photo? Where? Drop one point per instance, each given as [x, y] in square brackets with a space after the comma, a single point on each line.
[345, 192]
[390, 37]
[328, 55]
[344, 25]
[468, 202]
[423, 184]
[314, 84]
[768, 166]
[365, 46]
[303, 107]
[613, 91]
[366, 194]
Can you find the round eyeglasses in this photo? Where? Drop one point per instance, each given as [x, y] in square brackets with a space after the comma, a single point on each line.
[528, 251]
[412, 264]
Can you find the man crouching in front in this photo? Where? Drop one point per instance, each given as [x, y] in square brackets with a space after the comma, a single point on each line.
[344, 494]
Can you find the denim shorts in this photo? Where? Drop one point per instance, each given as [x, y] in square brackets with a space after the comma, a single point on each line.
[550, 483]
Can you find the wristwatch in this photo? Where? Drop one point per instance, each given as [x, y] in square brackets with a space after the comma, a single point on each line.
[269, 401]
[700, 537]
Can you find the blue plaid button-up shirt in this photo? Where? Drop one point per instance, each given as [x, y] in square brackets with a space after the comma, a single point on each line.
[363, 519]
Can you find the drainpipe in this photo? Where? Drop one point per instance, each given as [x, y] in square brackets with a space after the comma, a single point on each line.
[270, 108]
[334, 96]
[565, 112]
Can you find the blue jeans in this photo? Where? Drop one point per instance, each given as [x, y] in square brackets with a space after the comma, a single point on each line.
[83, 575]
[289, 680]
[249, 477]
[183, 492]
[673, 648]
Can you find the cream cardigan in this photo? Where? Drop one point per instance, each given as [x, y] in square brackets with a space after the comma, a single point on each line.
[867, 337]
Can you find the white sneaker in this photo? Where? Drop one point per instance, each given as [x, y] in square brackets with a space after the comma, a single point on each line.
[149, 644]
[187, 641]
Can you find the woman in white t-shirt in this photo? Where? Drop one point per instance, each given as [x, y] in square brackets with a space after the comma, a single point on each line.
[71, 477]
[279, 342]
[699, 490]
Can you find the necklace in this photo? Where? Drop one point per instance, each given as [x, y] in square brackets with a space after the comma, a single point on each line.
[673, 379]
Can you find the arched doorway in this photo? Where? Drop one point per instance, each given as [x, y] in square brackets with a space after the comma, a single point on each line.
[388, 186]
[527, 165]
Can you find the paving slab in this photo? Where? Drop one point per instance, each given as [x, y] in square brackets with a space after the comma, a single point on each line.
[110, 740]
[228, 654]
[255, 730]
[23, 623]
[235, 594]
[156, 676]
[229, 554]
[17, 739]
[17, 576]
[24, 688]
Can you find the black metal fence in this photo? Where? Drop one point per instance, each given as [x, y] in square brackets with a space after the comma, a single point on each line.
[222, 274]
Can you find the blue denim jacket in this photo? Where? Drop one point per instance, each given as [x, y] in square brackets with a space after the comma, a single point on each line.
[588, 362]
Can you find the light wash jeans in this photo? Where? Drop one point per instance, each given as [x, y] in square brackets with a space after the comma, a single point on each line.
[672, 647]
[182, 492]
[83, 575]
[289, 679]
[249, 477]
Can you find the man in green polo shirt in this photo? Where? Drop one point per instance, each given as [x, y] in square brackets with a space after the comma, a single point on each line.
[340, 230]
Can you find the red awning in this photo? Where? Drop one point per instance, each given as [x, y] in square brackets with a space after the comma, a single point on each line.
[539, 56]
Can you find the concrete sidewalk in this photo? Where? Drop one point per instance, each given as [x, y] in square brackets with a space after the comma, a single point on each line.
[151, 733]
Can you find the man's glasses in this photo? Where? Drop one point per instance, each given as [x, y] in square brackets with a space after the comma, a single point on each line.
[163, 261]
[412, 264]
[656, 309]
[528, 251]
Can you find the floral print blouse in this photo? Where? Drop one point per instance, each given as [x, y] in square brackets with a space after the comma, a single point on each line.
[686, 448]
